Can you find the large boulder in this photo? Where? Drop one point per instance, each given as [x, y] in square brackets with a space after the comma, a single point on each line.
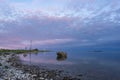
[61, 55]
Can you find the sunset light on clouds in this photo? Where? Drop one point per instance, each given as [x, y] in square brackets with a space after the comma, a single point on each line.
[59, 23]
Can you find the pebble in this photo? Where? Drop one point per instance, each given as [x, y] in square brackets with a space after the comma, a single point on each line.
[41, 78]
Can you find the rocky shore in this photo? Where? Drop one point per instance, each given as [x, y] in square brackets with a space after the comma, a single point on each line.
[11, 68]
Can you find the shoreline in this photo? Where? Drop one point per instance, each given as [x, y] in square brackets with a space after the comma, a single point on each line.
[11, 68]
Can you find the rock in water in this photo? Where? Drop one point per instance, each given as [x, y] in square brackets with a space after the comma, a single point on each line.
[61, 55]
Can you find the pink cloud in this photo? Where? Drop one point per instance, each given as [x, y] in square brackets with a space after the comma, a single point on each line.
[49, 41]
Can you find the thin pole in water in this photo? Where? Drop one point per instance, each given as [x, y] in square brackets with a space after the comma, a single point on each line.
[30, 53]
[30, 50]
[30, 45]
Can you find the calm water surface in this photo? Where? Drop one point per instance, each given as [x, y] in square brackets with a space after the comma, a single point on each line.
[93, 65]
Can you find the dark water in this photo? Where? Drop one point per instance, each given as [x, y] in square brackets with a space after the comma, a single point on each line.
[93, 65]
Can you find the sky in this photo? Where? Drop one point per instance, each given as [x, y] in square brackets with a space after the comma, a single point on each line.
[59, 23]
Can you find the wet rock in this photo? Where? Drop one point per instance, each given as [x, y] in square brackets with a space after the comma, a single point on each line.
[6, 67]
[80, 75]
[66, 78]
[0, 64]
[61, 54]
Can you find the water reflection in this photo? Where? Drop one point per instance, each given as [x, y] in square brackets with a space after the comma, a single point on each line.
[25, 55]
[96, 65]
[61, 58]
[36, 53]
[58, 58]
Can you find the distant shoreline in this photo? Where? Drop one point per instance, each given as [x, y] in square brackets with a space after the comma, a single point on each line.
[18, 51]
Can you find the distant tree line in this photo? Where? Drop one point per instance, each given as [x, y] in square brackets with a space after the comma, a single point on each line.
[21, 50]
[18, 50]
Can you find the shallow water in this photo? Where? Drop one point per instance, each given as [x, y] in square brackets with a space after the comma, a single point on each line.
[92, 65]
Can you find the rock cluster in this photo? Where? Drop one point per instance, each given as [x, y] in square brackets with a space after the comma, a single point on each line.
[7, 72]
